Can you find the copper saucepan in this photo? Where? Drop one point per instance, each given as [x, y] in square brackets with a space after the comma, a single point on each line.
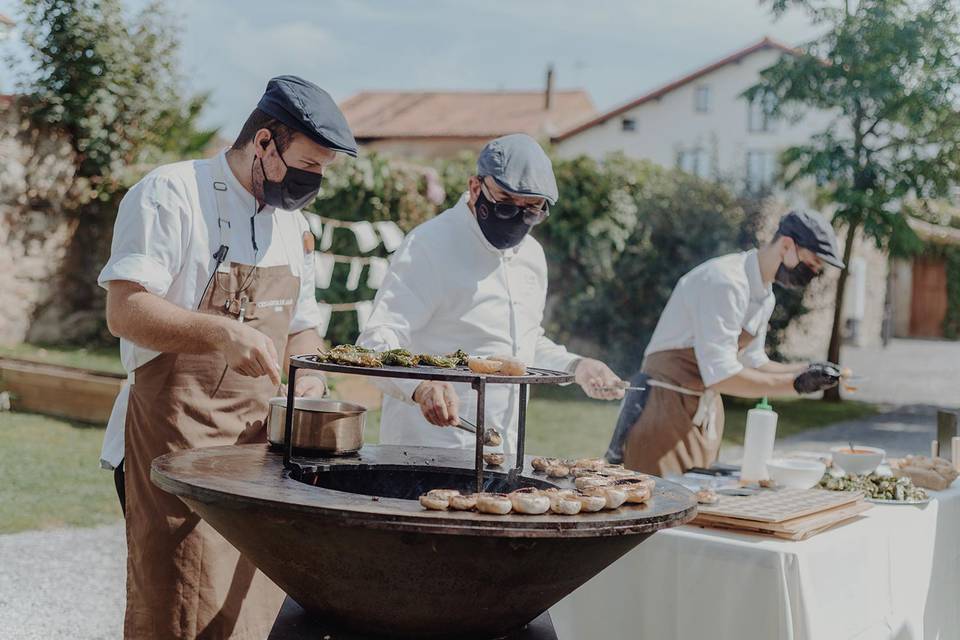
[330, 426]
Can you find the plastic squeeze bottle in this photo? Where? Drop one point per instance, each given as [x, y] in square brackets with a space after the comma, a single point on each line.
[758, 442]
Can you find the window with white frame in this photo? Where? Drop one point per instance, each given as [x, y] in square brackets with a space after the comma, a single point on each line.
[701, 99]
[761, 170]
[628, 124]
[695, 161]
[760, 118]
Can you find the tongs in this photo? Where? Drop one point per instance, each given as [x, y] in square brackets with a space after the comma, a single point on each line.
[491, 437]
[623, 385]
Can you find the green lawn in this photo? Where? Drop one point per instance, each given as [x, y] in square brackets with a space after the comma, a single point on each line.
[49, 475]
[97, 359]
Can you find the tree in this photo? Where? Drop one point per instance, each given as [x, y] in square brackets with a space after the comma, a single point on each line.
[887, 72]
[107, 82]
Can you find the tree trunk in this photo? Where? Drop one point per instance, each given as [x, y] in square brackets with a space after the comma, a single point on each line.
[833, 351]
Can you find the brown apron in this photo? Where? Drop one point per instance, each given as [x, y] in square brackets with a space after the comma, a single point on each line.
[184, 580]
[664, 439]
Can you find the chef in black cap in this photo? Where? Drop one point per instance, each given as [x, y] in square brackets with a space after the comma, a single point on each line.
[710, 341]
[210, 281]
[474, 278]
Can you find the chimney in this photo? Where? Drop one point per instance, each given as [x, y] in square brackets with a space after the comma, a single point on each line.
[548, 92]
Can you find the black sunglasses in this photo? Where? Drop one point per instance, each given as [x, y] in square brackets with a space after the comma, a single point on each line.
[508, 211]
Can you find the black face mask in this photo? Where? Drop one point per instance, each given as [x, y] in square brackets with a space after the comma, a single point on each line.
[797, 277]
[297, 189]
[503, 234]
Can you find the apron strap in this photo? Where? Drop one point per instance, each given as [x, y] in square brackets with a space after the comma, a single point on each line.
[219, 189]
[706, 416]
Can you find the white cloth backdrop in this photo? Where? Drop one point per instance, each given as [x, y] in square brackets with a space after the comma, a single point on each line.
[895, 573]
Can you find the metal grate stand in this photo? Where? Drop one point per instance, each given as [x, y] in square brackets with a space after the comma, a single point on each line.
[478, 382]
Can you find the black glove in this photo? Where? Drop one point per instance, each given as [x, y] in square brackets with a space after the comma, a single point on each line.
[817, 377]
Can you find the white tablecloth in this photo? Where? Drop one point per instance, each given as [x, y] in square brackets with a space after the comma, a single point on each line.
[894, 573]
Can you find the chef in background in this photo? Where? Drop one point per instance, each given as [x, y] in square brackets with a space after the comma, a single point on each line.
[209, 282]
[710, 340]
[473, 278]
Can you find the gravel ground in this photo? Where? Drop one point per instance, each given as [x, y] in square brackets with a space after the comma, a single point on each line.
[62, 584]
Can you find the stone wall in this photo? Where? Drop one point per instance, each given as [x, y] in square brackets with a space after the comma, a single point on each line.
[36, 173]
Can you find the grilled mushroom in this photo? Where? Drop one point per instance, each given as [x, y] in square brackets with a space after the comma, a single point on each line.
[562, 501]
[530, 501]
[541, 464]
[637, 492]
[590, 464]
[463, 503]
[434, 503]
[591, 481]
[558, 471]
[493, 459]
[492, 437]
[495, 503]
[590, 504]
[707, 496]
[614, 496]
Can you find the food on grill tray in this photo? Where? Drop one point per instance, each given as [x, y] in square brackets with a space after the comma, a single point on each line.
[529, 500]
[492, 437]
[438, 499]
[484, 365]
[876, 487]
[590, 504]
[585, 482]
[463, 503]
[558, 470]
[562, 501]
[637, 492]
[502, 364]
[541, 464]
[590, 464]
[614, 496]
[929, 473]
[493, 459]
[352, 355]
[495, 503]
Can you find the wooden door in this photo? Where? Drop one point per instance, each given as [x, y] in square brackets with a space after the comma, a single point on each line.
[928, 304]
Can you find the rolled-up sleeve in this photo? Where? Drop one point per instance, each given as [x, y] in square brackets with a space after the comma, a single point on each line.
[755, 355]
[717, 317]
[306, 315]
[550, 355]
[405, 303]
[149, 236]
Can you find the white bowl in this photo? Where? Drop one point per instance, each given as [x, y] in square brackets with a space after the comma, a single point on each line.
[857, 464]
[795, 473]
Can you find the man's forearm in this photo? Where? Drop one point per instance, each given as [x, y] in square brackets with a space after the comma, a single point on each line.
[154, 323]
[754, 383]
[784, 367]
[303, 342]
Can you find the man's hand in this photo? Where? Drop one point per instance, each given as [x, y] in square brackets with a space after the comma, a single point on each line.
[817, 377]
[248, 351]
[438, 402]
[310, 386]
[597, 380]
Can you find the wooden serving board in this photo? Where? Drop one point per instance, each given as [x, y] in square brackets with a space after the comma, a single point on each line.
[779, 505]
[796, 529]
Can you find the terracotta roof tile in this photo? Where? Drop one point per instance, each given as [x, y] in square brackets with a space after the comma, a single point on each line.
[430, 114]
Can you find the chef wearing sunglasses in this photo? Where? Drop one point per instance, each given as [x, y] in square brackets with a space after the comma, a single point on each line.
[473, 278]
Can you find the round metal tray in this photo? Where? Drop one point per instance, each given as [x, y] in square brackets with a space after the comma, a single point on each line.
[459, 374]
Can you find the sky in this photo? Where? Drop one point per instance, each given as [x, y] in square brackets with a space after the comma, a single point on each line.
[614, 49]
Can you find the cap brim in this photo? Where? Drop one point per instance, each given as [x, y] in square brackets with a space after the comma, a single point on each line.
[831, 260]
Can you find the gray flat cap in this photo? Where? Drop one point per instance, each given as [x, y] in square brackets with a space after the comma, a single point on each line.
[812, 231]
[518, 164]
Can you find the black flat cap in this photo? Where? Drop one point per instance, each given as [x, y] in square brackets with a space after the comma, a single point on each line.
[812, 231]
[305, 107]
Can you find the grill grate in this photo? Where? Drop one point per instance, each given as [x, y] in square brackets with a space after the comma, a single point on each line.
[478, 381]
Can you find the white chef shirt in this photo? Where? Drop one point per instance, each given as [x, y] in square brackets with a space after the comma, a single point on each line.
[164, 238]
[448, 288]
[707, 310]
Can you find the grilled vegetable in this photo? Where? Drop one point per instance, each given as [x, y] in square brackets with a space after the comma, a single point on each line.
[444, 362]
[460, 356]
[398, 358]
